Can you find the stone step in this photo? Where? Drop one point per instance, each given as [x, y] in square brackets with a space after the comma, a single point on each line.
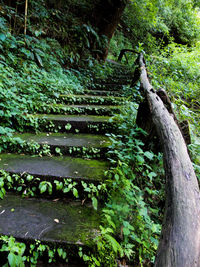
[50, 168]
[83, 109]
[76, 123]
[87, 145]
[122, 72]
[106, 87]
[91, 99]
[58, 222]
[115, 77]
[115, 80]
[118, 66]
[103, 93]
[119, 75]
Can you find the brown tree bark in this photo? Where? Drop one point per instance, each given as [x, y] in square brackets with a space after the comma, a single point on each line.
[180, 238]
[106, 17]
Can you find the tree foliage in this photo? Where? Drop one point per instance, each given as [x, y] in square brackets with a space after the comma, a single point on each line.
[150, 21]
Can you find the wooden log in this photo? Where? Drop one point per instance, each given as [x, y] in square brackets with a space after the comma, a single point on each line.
[144, 121]
[180, 237]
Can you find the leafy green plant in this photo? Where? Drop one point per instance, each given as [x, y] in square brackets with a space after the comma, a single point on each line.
[19, 254]
[176, 70]
[131, 218]
[35, 67]
[15, 251]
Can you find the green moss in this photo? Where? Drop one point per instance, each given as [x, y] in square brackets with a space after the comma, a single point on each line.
[91, 99]
[87, 118]
[67, 140]
[46, 220]
[56, 167]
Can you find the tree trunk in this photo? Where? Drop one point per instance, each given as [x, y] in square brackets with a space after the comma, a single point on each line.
[106, 17]
[180, 238]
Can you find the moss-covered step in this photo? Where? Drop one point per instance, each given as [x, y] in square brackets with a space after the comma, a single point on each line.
[53, 222]
[87, 145]
[91, 99]
[121, 75]
[50, 168]
[125, 80]
[76, 123]
[103, 93]
[83, 109]
[106, 87]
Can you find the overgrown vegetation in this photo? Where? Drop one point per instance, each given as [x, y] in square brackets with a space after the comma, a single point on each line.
[35, 69]
[30, 69]
[131, 219]
[168, 32]
[179, 75]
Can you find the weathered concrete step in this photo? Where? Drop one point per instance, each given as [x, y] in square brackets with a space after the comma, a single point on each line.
[91, 99]
[55, 222]
[87, 145]
[122, 72]
[103, 93]
[117, 65]
[84, 109]
[115, 80]
[51, 168]
[75, 123]
[106, 87]
[121, 75]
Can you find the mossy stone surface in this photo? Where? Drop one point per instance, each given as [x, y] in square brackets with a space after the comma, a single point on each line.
[78, 123]
[92, 99]
[103, 93]
[107, 87]
[87, 97]
[56, 167]
[60, 221]
[73, 118]
[84, 109]
[67, 140]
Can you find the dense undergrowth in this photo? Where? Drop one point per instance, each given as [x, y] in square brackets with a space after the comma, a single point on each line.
[177, 70]
[131, 219]
[31, 78]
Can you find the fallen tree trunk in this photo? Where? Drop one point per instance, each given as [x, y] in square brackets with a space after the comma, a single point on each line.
[180, 237]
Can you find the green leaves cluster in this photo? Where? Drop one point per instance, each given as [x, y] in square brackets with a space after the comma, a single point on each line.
[31, 74]
[177, 70]
[131, 220]
[27, 185]
[19, 254]
[157, 23]
[14, 250]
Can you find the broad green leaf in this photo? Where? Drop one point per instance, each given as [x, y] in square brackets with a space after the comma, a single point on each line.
[75, 192]
[94, 203]
[68, 126]
[42, 187]
[149, 155]
[2, 37]
[12, 259]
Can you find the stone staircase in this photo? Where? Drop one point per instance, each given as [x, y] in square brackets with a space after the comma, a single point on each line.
[79, 146]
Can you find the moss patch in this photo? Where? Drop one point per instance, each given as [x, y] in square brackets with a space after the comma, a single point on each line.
[61, 222]
[56, 167]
